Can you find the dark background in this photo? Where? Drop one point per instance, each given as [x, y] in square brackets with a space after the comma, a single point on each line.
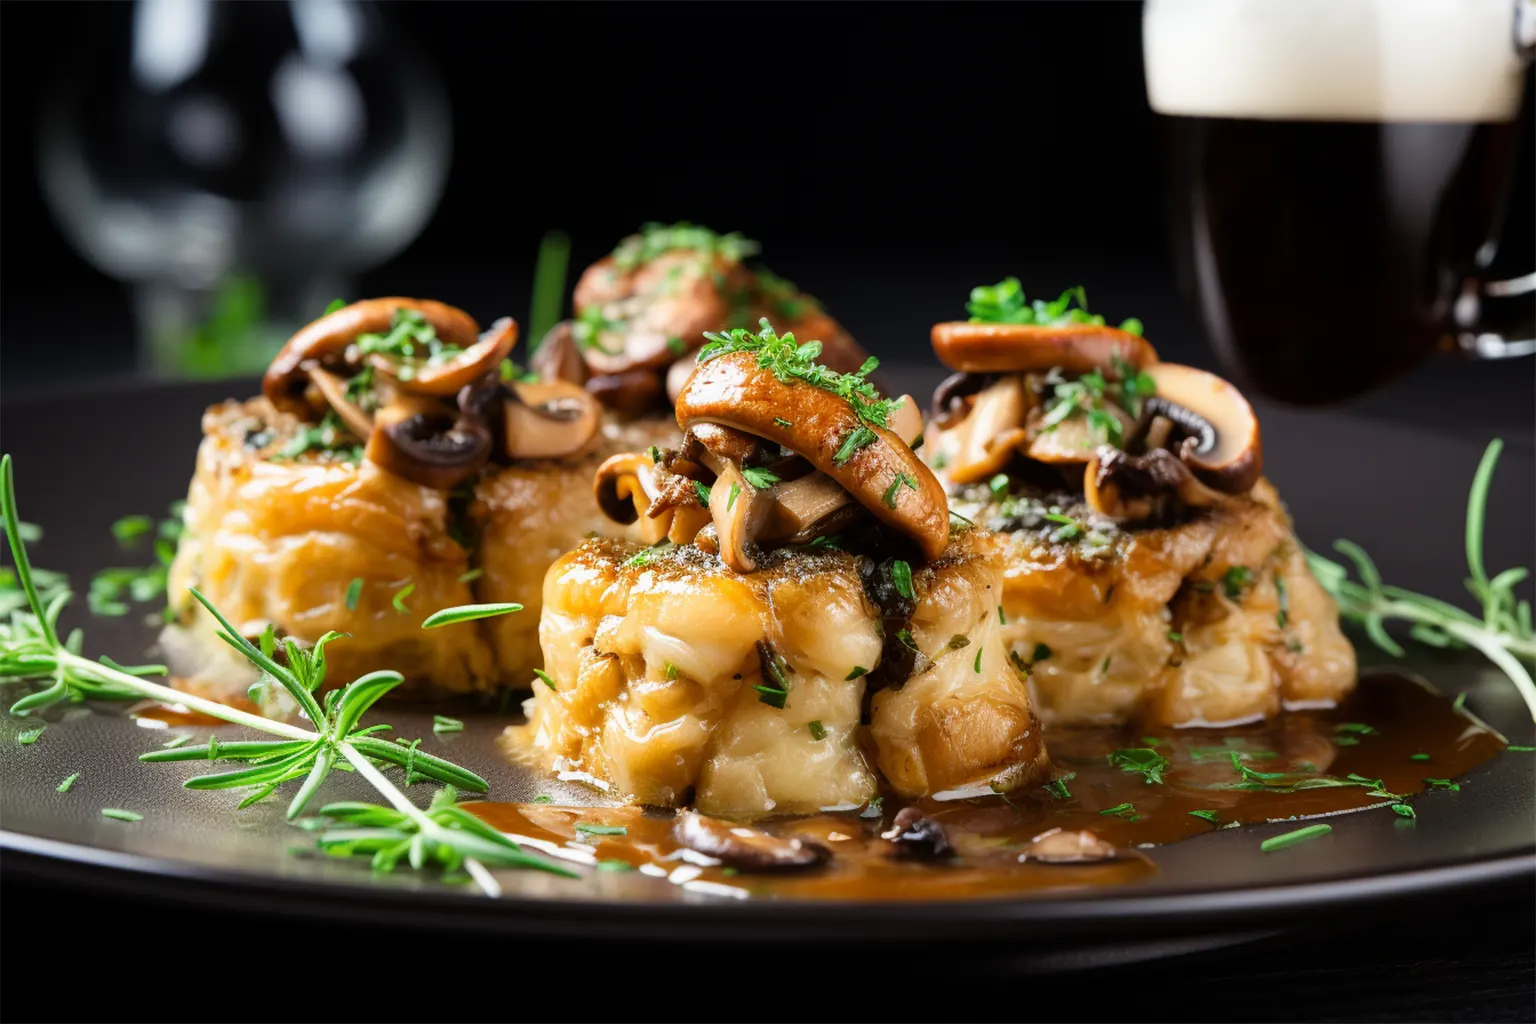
[888, 157]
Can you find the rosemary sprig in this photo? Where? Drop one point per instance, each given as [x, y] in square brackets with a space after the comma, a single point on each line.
[31, 651]
[444, 834]
[789, 360]
[1503, 634]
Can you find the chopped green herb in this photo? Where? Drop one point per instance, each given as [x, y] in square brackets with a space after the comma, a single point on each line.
[1057, 787]
[443, 724]
[1236, 580]
[1418, 757]
[671, 671]
[901, 480]
[1207, 815]
[901, 575]
[1346, 741]
[544, 677]
[654, 240]
[130, 528]
[1126, 811]
[905, 637]
[471, 575]
[958, 641]
[1002, 620]
[1520, 750]
[999, 485]
[334, 305]
[818, 731]
[1443, 784]
[859, 437]
[977, 666]
[1175, 636]
[1005, 303]
[730, 501]
[1403, 811]
[613, 864]
[543, 798]
[69, 780]
[588, 828]
[1143, 761]
[860, 670]
[30, 736]
[468, 613]
[400, 595]
[177, 741]
[1460, 702]
[760, 478]
[117, 814]
[1357, 728]
[701, 491]
[779, 421]
[354, 592]
[676, 346]
[1301, 835]
[1283, 598]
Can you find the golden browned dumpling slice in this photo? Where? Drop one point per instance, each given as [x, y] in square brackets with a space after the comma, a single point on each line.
[678, 681]
[273, 540]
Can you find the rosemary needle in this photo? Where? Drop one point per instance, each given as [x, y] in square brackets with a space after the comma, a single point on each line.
[1301, 835]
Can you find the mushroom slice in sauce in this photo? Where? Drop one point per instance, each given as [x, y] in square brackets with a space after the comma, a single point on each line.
[1023, 348]
[428, 444]
[1068, 846]
[734, 391]
[738, 510]
[1221, 441]
[334, 389]
[549, 420]
[326, 339]
[447, 377]
[915, 835]
[745, 848]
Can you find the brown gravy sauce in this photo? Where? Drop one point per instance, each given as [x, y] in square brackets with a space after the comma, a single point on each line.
[1401, 719]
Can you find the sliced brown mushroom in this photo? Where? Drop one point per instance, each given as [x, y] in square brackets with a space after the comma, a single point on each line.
[447, 377]
[1219, 432]
[1074, 439]
[915, 835]
[327, 338]
[953, 398]
[1136, 488]
[625, 488]
[805, 508]
[745, 848]
[661, 309]
[549, 420]
[428, 444]
[883, 473]
[1022, 348]
[906, 422]
[558, 358]
[334, 389]
[987, 438]
[1068, 846]
[630, 394]
[739, 510]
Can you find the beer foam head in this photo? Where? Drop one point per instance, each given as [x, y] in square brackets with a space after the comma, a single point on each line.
[1334, 60]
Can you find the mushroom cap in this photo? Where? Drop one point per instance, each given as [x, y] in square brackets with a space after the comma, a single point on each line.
[745, 848]
[734, 391]
[557, 357]
[330, 335]
[1022, 348]
[428, 444]
[549, 420]
[664, 306]
[1233, 460]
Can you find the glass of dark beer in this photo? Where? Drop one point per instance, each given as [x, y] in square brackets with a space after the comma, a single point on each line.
[1340, 170]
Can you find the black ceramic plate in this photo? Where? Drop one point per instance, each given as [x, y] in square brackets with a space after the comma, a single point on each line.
[82, 462]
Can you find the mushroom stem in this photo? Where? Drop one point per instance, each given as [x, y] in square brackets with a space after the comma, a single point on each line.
[738, 511]
[334, 388]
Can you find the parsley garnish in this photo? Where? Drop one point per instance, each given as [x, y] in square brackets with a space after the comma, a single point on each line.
[354, 591]
[545, 678]
[1235, 580]
[901, 575]
[1146, 762]
[1126, 811]
[588, 828]
[701, 490]
[654, 240]
[1057, 787]
[818, 731]
[760, 478]
[860, 670]
[901, 480]
[1207, 815]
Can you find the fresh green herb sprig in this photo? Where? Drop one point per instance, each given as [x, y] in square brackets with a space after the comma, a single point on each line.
[1005, 303]
[445, 835]
[32, 651]
[1143, 761]
[1504, 632]
[789, 360]
[411, 340]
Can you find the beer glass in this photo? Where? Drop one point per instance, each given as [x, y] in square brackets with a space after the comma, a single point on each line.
[1340, 170]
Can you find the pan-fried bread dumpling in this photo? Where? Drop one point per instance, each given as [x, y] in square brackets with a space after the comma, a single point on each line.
[282, 540]
[392, 468]
[804, 581]
[1151, 569]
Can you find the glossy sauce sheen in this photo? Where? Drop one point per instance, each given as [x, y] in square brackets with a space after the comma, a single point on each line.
[989, 833]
